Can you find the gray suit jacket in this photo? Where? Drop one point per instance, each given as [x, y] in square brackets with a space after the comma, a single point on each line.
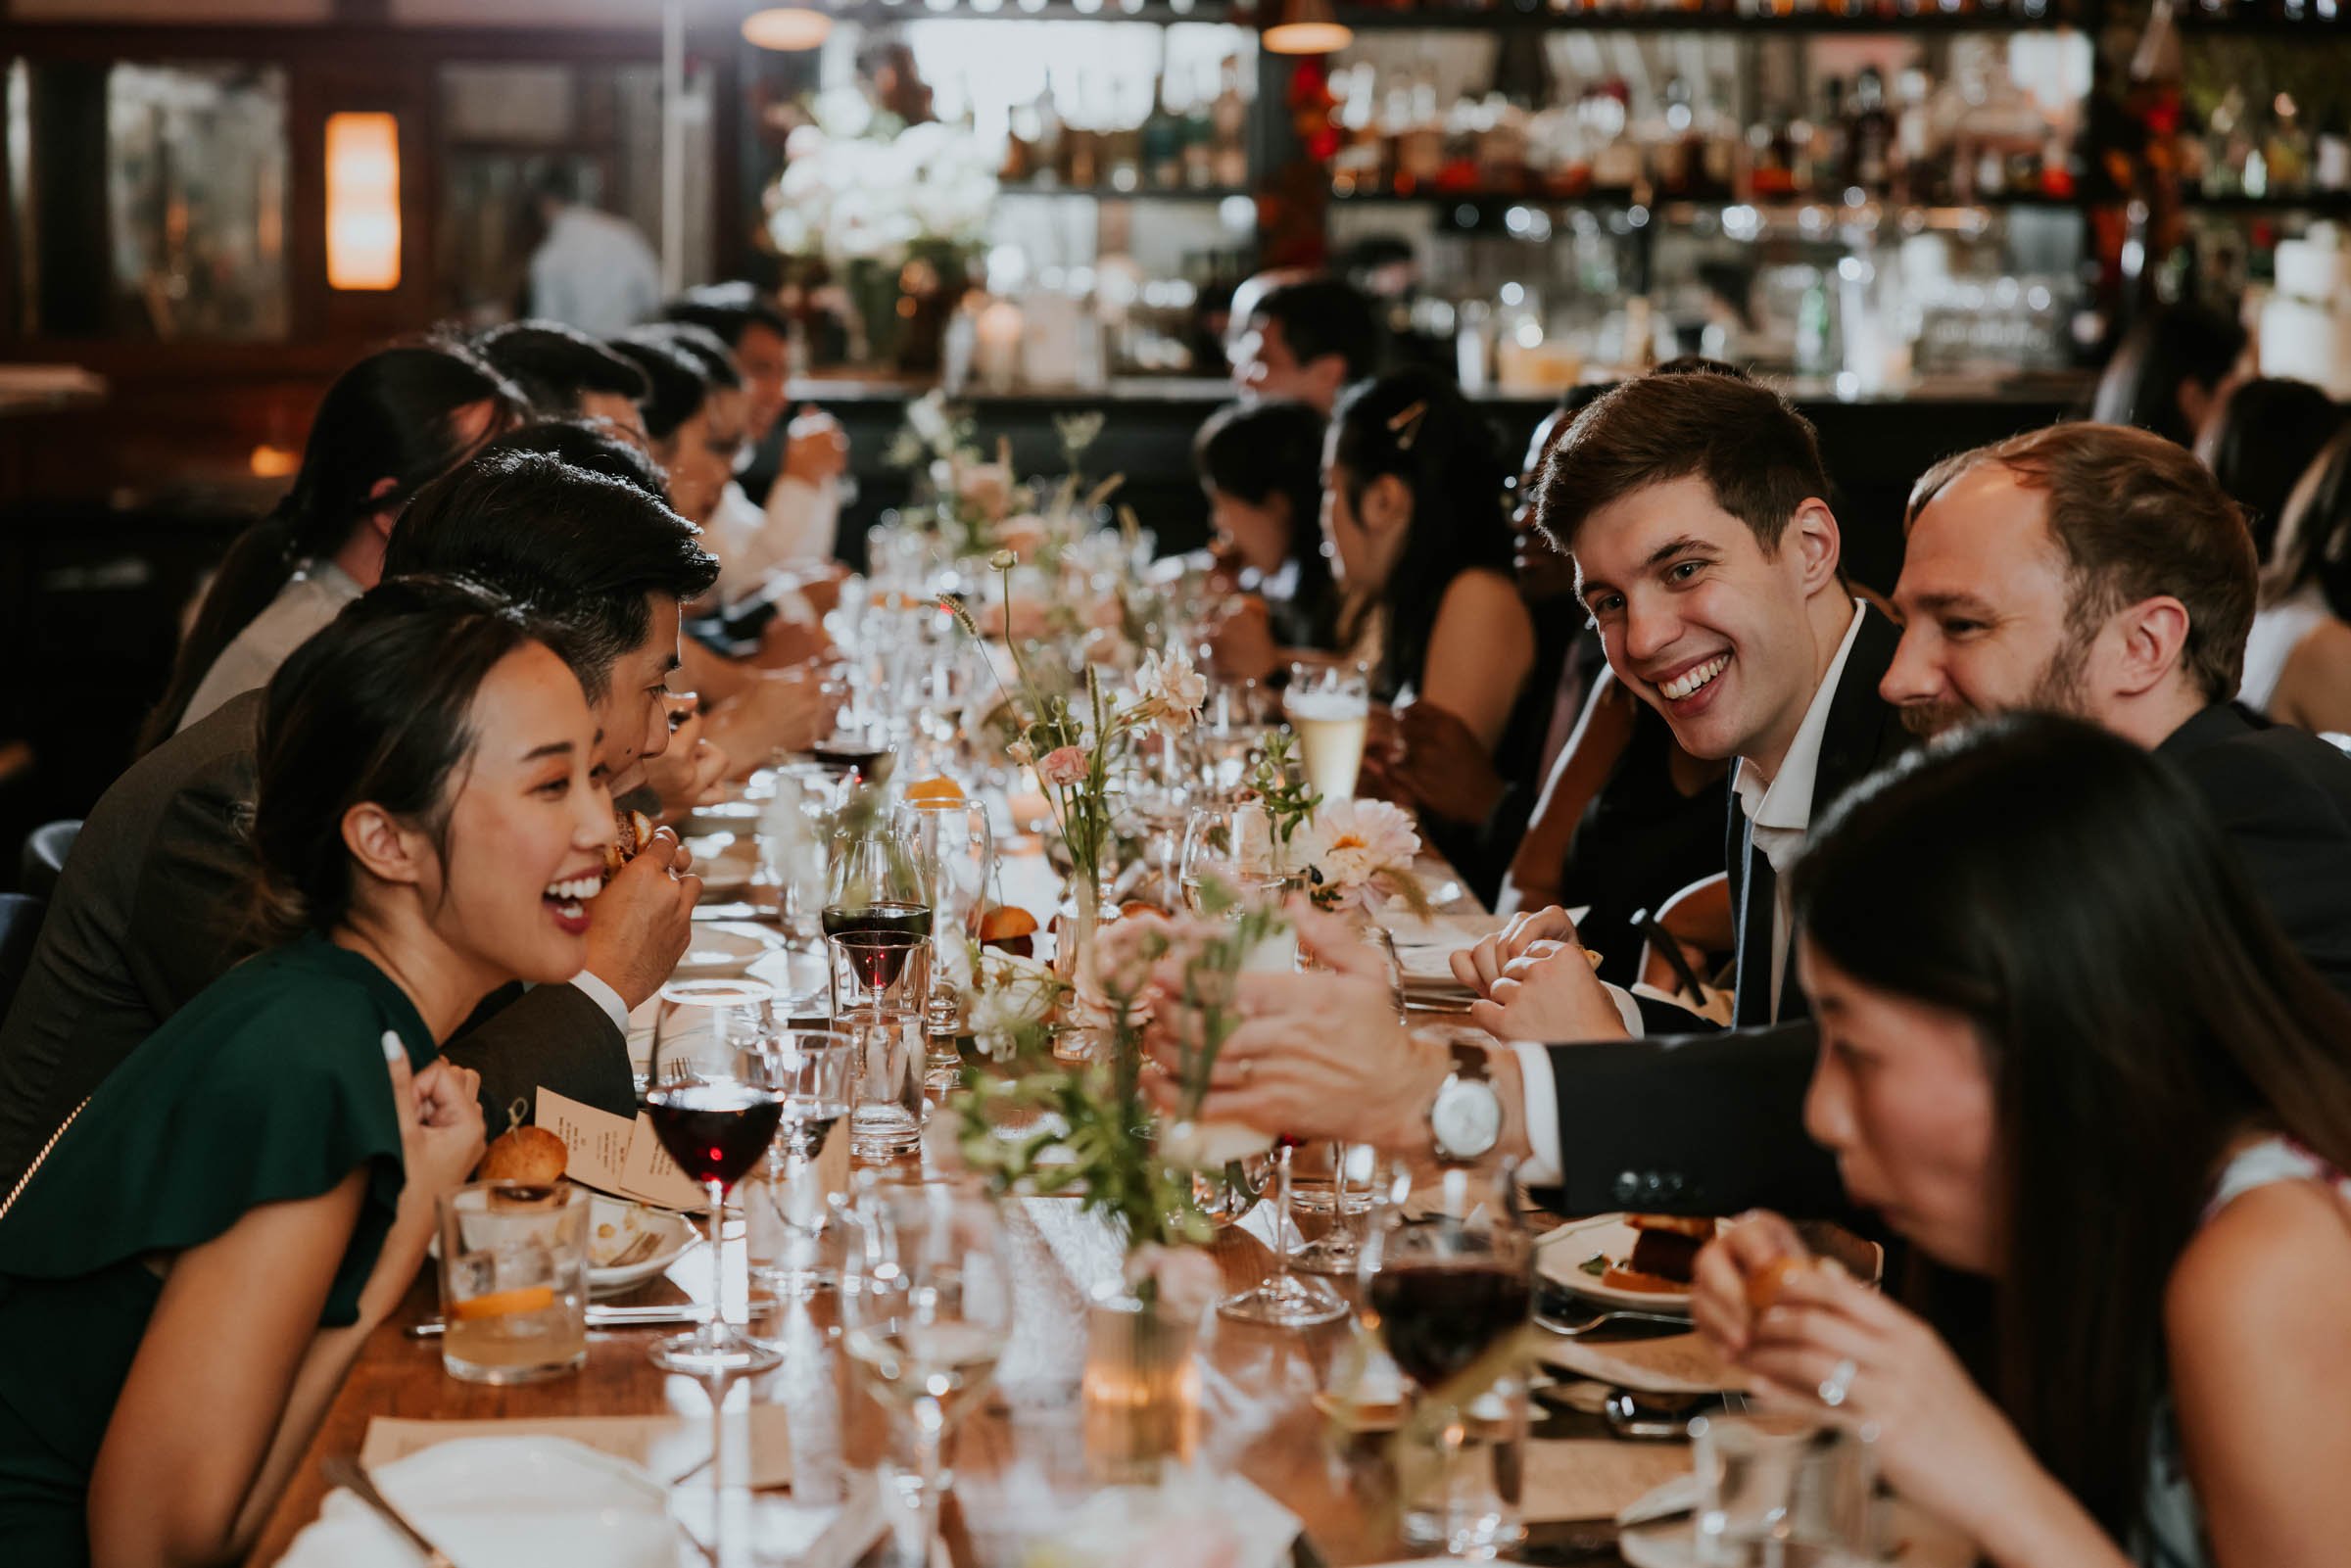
[150, 910]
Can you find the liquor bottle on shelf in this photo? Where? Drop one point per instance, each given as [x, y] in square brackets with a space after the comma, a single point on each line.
[1869, 133]
[2331, 154]
[1161, 141]
[1229, 116]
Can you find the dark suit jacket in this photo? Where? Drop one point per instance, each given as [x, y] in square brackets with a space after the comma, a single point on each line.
[1714, 1124]
[1704, 1123]
[150, 910]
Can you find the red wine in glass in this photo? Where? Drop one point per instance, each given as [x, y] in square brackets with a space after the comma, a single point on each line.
[850, 751]
[1438, 1317]
[715, 1130]
[880, 964]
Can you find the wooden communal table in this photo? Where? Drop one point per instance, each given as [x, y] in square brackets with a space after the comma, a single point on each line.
[1258, 1416]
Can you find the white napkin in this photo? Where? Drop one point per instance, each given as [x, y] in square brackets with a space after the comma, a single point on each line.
[1190, 1520]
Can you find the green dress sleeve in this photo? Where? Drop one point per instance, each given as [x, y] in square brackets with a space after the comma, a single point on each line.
[269, 1087]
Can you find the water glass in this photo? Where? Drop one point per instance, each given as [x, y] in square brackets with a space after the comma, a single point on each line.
[514, 1281]
[951, 839]
[1782, 1488]
[1231, 846]
[787, 1204]
[1330, 709]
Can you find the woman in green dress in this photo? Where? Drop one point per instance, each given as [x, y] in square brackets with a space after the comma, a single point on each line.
[187, 1274]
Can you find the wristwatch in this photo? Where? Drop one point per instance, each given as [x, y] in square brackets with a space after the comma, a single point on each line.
[1464, 1120]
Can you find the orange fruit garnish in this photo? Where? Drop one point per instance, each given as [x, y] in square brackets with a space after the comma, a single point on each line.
[934, 792]
[500, 1302]
[1006, 920]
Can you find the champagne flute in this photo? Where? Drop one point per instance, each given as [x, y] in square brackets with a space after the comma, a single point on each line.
[1448, 1275]
[715, 1125]
[929, 1314]
[951, 839]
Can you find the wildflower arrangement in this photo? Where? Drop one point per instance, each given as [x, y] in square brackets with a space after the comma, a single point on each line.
[1353, 854]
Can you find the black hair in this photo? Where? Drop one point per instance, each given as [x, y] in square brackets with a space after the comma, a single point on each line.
[2314, 536]
[579, 548]
[389, 416]
[2169, 347]
[554, 365]
[376, 707]
[1416, 425]
[676, 382]
[1323, 315]
[588, 444]
[709, 354]
[1256, 450]
[2258, 442]
[2138, 1009]
[727, 310]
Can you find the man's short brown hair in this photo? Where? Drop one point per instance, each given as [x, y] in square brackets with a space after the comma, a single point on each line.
[2135, 516]
[1747, 443]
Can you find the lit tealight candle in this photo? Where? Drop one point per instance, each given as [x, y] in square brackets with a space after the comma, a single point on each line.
[996, 346]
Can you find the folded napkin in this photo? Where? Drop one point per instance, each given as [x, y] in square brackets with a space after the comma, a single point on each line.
[1190, 1520]
[664, 1446]
[1672, 1363]
[1591, 1478]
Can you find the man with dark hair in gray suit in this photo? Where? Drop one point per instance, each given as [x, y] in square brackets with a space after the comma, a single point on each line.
[151, 906]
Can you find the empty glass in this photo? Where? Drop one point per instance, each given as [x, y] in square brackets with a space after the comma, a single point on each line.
[878, 990]
[951, 839]
[925, 1316]
[514, 1281]
[785, 1208]
[1781, 1489]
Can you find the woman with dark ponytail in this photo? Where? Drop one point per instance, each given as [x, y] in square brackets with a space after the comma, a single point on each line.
[1411, 502]
[391, 422]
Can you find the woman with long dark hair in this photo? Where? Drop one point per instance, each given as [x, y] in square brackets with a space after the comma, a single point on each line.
[2064, 1046]
[390, 423]
[1412, 508]
[693, 416]
[193, 1262]
[2299, 656]
[2169, 372]
[1261, 465]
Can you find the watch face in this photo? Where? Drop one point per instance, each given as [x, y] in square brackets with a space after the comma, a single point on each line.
[1467, 1119]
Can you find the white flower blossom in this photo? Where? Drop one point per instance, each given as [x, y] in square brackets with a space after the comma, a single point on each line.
[1171, 691]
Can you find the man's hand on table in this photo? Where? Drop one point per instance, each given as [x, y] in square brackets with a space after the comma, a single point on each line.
[639, 926]
[1480, 964]
[1549, 993]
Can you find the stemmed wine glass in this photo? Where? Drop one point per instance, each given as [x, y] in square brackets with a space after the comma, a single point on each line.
[813, 1074]
[715, 1125]
[1448, 1279]
[930, 1314]
[1231, 844]
[1337, 1250]
[951, 840]
[875, 880]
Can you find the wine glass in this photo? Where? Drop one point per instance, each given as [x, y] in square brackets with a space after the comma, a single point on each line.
[1338, 1251]
[715, 1125]
[1232, 845]
[1448, 1282]
[958, 857]
[813, 1074]
[929, 1314]
[875, 882]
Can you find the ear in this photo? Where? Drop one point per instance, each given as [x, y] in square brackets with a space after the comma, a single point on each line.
[381, 518]
[387, 849]
[2152, 638]
[1818, 549]
[1387, 506]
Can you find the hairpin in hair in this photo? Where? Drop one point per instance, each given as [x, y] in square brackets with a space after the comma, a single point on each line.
[1405, 426]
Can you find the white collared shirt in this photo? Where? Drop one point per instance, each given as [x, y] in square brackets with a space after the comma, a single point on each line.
[593, 271]
[1780, 808]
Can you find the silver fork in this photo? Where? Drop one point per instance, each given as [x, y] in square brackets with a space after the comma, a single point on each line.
[1602, 1318]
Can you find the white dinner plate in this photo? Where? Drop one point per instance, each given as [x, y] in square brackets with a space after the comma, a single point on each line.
[723, 949]
[723, 880]
[614, 1224]
[1919, 1539]
[502, 1502]
[1559, 1258]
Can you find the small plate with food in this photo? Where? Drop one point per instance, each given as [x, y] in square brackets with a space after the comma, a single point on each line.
[1642, 1261]
[723, 949]
[630, 1243]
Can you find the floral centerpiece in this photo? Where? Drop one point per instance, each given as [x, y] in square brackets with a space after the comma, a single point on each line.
[1075, 743]
[1353, 855]
[898, 212]
[978, 504]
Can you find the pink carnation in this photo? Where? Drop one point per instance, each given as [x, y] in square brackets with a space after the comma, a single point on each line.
[1062, 766]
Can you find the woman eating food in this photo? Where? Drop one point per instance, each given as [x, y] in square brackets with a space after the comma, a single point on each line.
[189, 1269]
[2063, 1046]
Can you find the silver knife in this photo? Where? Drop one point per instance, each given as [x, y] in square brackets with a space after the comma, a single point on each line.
[598, 1317]
[353, 1476]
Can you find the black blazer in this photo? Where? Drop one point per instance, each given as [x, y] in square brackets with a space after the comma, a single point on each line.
[1714, 1124]
[149, 910]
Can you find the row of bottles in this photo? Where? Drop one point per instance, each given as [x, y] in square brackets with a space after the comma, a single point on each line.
[1974, 138]
[1888, 10]
[1093, 144]
[2271, 150]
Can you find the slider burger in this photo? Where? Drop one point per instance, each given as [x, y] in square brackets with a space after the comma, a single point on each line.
[1664, 1256]
[633, 830]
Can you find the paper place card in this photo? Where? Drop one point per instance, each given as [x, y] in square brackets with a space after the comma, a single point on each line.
[755, 1446]
[617, 1156]
[1593, 1478]
[1672, 1363]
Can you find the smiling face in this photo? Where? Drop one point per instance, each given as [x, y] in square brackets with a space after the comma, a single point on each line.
[1903, 1097]
[527, 827]
[1985, 596]
[634, 714]
[1700, 623]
